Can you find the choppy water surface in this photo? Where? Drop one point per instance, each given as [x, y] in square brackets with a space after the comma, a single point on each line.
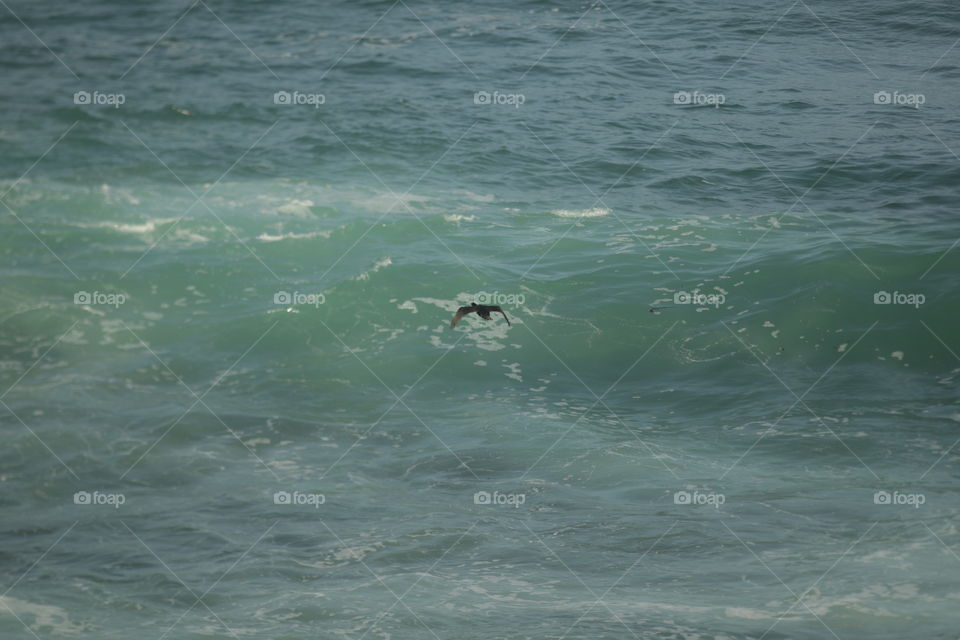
[234, 235]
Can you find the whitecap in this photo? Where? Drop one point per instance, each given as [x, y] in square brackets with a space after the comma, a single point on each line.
[266, 237]
[379, 264]
[296, 207]
[595, 212]
[125, 227]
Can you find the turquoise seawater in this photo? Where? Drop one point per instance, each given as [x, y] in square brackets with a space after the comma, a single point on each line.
[233, 239]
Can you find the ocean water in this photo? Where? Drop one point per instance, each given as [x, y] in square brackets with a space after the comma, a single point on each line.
[233, 238]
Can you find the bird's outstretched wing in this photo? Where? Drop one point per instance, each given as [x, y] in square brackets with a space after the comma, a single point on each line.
[501, 311]
[462, 311]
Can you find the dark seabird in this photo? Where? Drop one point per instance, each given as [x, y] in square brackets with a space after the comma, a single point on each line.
[482, 310]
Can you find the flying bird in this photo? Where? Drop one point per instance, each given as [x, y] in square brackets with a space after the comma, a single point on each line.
[482, 310]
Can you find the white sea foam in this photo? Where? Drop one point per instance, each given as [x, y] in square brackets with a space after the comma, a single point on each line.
[113, 196]
[267, 237]
[46, 617]
[379, 264]
[296, 207]
[126, 227]
[595, 212]
[395, 203]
